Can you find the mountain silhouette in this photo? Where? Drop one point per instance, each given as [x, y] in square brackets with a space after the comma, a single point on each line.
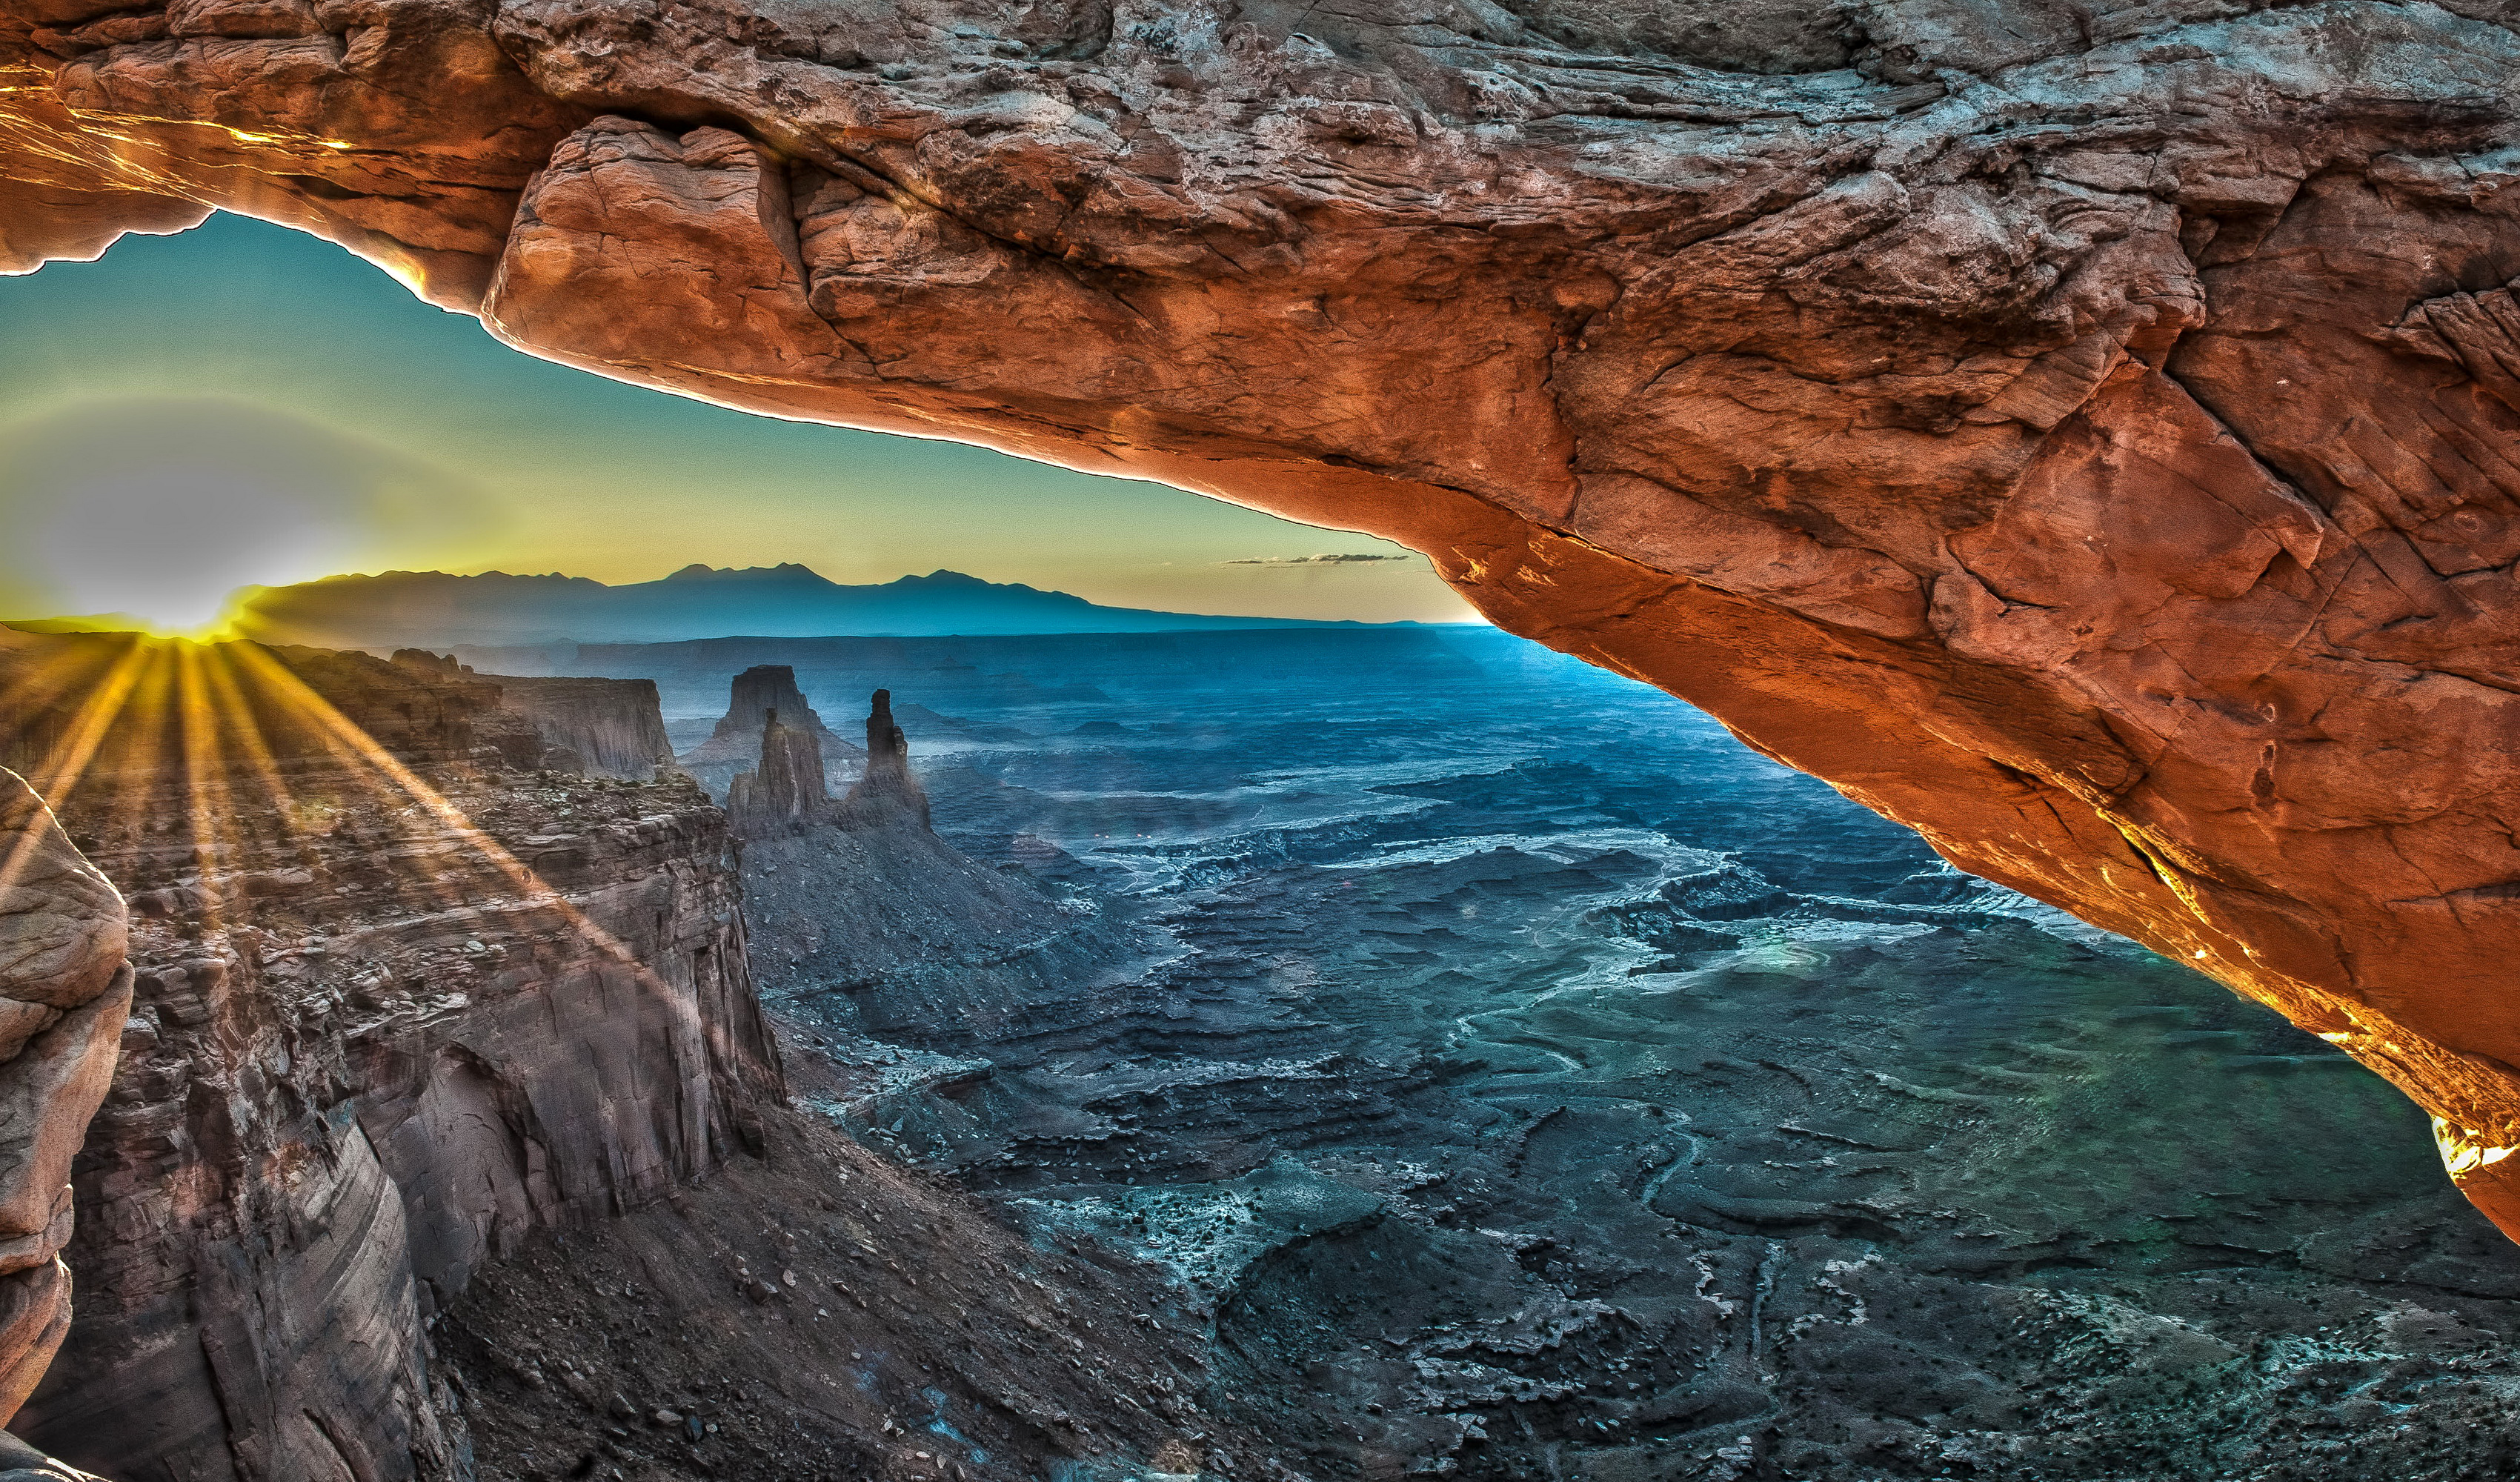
[435, 610]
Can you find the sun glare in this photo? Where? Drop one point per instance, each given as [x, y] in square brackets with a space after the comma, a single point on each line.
[115, 716]
[172, 546]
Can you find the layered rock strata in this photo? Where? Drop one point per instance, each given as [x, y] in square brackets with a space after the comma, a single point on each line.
[753, 697]
[397, 1008]
[2080, 432]
[787, 790]
[616, 727]
[64, 992]
[604, 727]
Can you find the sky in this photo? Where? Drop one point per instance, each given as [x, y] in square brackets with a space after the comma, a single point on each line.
[245, 404]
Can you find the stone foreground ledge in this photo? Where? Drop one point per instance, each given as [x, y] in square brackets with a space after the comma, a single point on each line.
[65, 993]
[2085, 433]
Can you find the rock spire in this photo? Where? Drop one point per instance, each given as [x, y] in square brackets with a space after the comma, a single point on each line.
[887, 796]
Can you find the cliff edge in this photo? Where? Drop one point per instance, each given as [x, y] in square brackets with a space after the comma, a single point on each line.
[393, 1007]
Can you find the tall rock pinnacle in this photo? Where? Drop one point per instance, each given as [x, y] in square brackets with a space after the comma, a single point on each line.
[887, 796]
[887, 749]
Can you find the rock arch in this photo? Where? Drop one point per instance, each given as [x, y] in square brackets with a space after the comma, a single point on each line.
[2087, 434]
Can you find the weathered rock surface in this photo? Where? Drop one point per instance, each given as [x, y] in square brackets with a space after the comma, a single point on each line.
[397, 1008]
[612, 728]
[614, 725]
[787, 790]
[736, 745]
[821, 1312]
[886, 796]
[64, 992]
[2080, 432]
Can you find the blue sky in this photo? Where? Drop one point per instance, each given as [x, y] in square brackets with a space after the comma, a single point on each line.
[241, 403]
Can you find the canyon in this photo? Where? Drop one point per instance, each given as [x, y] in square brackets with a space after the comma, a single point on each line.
[406, 1006]
[1510, 1077]
[1183, 1055]
[2081, 433]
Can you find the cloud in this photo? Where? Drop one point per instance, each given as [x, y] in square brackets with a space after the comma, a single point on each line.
[1310, 560]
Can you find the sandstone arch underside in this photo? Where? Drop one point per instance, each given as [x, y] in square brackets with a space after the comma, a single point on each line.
[2088, 434]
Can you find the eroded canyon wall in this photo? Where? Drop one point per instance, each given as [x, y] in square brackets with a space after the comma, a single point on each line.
[2081, 433]
[614, 726]
[398, 1007]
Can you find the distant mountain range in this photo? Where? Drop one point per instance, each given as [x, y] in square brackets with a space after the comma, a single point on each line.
[431, 609]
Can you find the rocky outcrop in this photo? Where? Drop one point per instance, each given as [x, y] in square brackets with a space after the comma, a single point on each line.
[397, 1008]
[736, 745]
[876, 923]
[64, 992]
[787, 790]
[604, 727]
[2076, 432]
[886, 796]
[616, 727]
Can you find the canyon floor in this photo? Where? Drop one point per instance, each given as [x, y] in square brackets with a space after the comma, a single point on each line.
[1504, 1074]
[1291, 1057]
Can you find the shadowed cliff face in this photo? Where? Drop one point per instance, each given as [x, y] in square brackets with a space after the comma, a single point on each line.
[449, 1141]
[607, 727]
[397, 1008]
[742, 742]
[786, 789]
[2081, 433]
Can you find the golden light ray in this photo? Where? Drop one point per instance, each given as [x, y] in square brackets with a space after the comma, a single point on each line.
[367, 769]
[229, 700]
[355, 743]
[206, 772]
[60, 772]
[222, 722]
[129, 765]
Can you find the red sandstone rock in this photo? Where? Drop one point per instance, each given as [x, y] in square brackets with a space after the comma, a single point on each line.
[2083, 433]
[64, 992]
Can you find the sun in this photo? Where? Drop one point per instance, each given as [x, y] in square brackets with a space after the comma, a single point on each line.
[172, 545]
[153, 512]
